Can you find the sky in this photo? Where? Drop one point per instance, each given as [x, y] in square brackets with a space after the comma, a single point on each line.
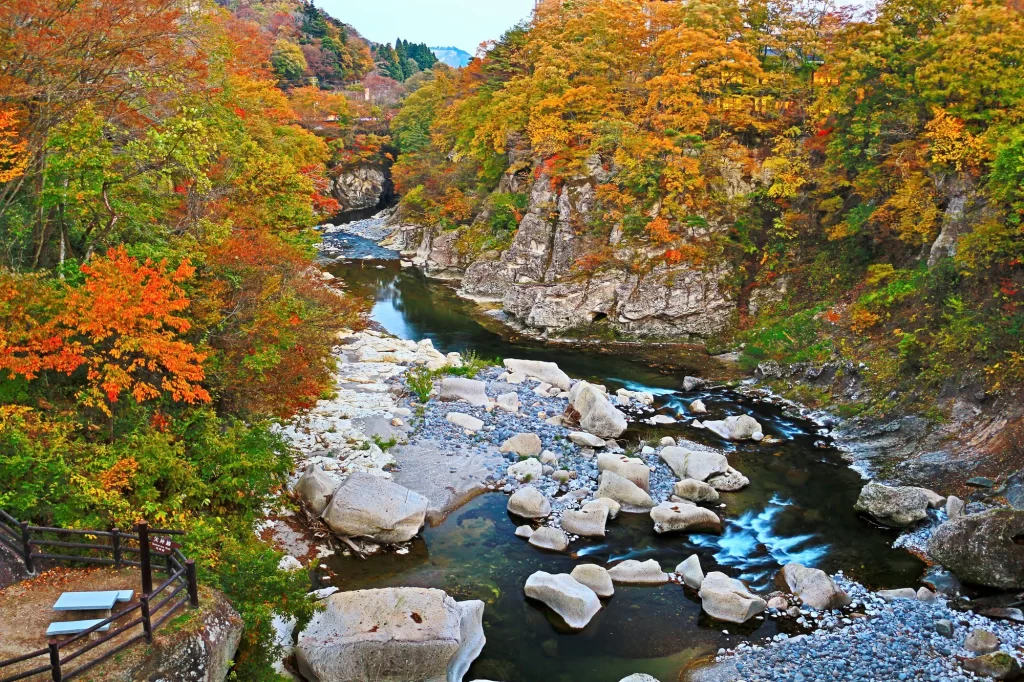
[439, 23]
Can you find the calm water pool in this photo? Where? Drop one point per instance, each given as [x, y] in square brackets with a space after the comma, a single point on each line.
[799, 507]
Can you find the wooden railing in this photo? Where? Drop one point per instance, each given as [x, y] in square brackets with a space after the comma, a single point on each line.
[109, 548]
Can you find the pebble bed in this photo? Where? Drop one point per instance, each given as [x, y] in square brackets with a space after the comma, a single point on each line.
[898, 640]
[500, 425]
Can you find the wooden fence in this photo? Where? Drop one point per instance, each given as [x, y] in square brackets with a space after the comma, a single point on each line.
[109, 548]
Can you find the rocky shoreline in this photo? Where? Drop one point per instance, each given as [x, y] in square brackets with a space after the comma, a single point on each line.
[520, 429]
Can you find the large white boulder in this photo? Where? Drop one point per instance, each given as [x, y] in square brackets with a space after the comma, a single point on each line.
[814, 587]
[368, 506]
[595, 577]
[468, 390]
[631, 468]
[728, 599]
[597, 415]
[548, 372]
[741, 427]
[588, 522]
[315, 488]
[696, 464]
[671, 517]
[631, 497]
[523, 444]
[391, 635]
[636, 572]
[529, 503]
[573, 601]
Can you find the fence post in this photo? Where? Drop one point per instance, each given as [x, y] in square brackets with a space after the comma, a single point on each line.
[147, 624]
[54, 661]
[147, 569]
[26, 543]
[115, 543]
[193, 587]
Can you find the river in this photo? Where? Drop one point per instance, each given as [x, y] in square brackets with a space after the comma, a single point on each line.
[799, 507]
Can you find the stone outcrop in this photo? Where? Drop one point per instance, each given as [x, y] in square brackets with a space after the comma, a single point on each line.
[360, 188]
[369, 506]
[573, 601]
[897, 506]
[391, 635]
[985, 549]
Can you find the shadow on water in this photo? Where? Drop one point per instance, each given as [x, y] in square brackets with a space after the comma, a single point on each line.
[798, 507]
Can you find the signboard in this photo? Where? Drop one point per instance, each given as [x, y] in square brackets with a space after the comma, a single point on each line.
[162, 546]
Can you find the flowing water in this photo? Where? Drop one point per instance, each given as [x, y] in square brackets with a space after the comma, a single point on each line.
[799, 507]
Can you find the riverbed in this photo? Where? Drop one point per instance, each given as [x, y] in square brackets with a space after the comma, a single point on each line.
[799, 507]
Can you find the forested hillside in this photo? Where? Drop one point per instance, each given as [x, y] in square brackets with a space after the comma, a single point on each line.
[828, 187]
[157, 301]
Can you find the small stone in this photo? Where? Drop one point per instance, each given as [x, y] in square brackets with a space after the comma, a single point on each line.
[522, 444]
[667, 442]
[944, 627]
[691, 572]
[524, 532]
[981, 641]
[638, 572]
[698, 407]
[595, 577]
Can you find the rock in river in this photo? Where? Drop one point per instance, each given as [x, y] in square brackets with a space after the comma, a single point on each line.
[691, 572]
[631, 468]
[636, 572]
[898, 506]
[315, 487]
[529, 503]
[728, 599]
[391, 635]
[368, 506]
[729, 482]
[742, 427]
[629, 495]
[985, 549]
[588, 522]
[596, 578]
[695, 491]
[573, 601]
[696, 464]
[814, 587]
[549, 538]
[670, 517]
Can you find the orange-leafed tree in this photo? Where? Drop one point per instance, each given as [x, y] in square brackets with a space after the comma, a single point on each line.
[129, 317]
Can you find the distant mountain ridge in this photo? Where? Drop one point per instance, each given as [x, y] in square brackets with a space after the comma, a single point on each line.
[452, 56]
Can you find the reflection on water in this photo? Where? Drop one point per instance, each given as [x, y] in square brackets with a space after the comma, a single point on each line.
[751, 545]
[798, 507]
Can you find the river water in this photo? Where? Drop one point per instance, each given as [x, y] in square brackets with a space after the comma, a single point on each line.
[799, 507]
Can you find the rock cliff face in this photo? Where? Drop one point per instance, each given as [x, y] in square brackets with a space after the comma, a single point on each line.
[540, 285]
[201, 649]
[360, 188]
